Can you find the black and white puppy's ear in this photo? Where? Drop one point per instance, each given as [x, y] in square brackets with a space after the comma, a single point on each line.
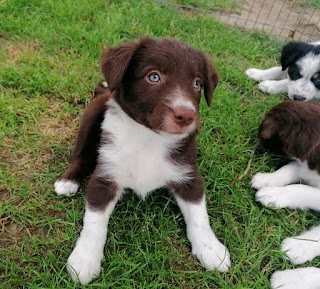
[211, 80]
[292, 51]
[115, 61]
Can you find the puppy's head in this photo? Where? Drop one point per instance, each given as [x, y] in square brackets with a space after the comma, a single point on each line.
[158, 82]
[303, 63]
[293, 128]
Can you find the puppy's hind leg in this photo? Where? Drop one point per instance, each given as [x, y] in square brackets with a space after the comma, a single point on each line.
[85, 150]
[205, 245]
[274, 73]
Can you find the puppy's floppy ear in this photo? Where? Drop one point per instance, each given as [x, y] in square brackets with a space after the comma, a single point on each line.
[115, 61]
[211, 80]
[268, 128]
[292, 128]
[269, 134]
[301, 129]
[292, 51]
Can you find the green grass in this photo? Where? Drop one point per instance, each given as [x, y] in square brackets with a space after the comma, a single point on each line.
[310, 3]
[49, 64]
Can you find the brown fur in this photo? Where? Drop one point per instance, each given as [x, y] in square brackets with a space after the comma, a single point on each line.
[124, 68]
[293, 128]
[85, 151]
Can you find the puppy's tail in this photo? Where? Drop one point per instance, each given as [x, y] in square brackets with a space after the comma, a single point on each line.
[101, 88]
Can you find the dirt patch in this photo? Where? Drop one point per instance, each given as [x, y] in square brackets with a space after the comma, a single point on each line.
[15, 50]
[32, 154]
[282, 19]
[50, 125]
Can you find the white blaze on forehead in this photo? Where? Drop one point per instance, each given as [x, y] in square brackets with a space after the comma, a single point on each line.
[179, 99]
[309, 64]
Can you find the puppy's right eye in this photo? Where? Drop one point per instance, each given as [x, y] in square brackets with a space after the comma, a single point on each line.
[154, 77]
[197, 84]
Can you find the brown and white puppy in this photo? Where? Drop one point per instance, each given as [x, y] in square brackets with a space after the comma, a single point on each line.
[140, 134]
[293, 128]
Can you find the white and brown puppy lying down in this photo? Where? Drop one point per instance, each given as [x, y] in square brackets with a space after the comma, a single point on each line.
[140, 134]
[298, 75]
[293, 128]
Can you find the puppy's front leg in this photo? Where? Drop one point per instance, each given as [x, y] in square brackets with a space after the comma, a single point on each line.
[300, 278]
[205, 245]
[84, 263]
[274, 86]
[288, 174]
[273, 73]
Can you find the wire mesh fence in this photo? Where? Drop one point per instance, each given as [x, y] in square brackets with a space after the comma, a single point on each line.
[282, 19]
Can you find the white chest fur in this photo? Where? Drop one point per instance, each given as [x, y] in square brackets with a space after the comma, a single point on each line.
[135, 156]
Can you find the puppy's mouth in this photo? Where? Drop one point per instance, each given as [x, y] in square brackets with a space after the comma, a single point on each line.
[173, 128]
[179, 122]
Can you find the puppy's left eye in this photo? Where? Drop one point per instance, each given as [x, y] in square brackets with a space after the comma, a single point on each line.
[154, 77]
[197, 84]
[316, 79]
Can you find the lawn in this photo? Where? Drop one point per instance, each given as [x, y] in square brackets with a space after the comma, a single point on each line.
[49, 65]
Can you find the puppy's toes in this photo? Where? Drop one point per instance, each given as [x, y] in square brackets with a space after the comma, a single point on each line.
[269, 86]
[300, 250]
[270, 197]
[301, 278]
[283, 280]
[83, 266]
[261, 180]
[64, 187]
[213, 256]
[254, 74]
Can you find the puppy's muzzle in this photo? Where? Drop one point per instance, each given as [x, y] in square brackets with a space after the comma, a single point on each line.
[299, 97]
[183, 116]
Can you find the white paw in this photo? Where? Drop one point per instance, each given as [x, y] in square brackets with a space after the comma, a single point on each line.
[302, 278]
[300, 250]
[271, 197]
[269, 86]
[64, 187]
[104, 84]
[291, 196]
[261, 180]
[212, 255]
[83, 265]
[255, 74]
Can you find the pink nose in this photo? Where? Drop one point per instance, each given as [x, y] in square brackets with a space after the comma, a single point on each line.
[183, 116]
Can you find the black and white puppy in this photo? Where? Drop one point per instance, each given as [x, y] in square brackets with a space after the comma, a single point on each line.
[139, 133]
[293, 128]
[298, 76]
